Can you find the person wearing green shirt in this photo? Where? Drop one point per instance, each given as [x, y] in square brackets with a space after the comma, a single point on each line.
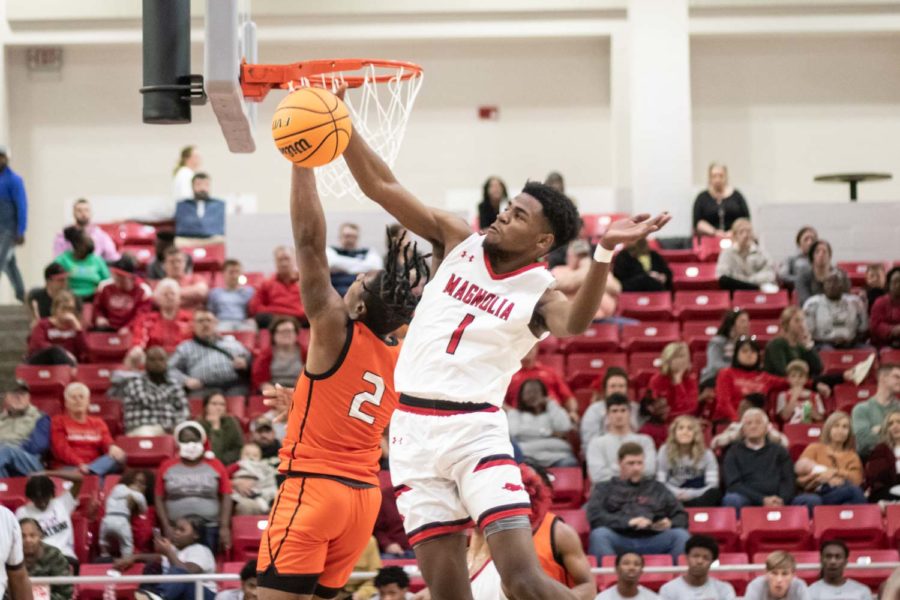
[869, 415]
[86, 270]
[224, 431]
[44, 560]
[792, 343]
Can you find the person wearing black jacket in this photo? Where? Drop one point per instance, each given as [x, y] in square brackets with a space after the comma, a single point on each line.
[630, 513]
[640, 269]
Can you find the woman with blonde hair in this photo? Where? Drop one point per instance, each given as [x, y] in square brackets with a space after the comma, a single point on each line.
[675, 381]
[830, 471]
[793, 342]
[187, 167]
[687, 467]
[718, 206]
[883, 466]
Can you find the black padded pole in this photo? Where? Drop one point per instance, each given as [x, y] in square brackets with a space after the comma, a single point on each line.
[167, 61]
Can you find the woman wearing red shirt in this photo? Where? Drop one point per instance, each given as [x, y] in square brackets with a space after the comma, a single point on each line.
[167, 327]
[742, 378]
[78, 440]
[675, 382]
[58, 339]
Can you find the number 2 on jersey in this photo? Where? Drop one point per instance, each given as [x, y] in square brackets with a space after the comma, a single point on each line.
[457, 335]
[370, 397]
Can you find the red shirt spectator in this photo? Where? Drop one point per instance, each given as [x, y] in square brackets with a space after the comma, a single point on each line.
[734, 383]
[556, 386]
[279, 294]
[389, 526]
[169, 326]
[120, 300]
[682, 397]
[62, 328]
[194, 288]
[77, 439]
[885, 313]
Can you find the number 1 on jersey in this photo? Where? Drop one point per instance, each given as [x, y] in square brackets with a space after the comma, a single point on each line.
[457, 335]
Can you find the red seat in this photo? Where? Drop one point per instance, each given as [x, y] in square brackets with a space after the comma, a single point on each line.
[255, 407]
[416, 583]
[45, 380]
[641, 367]
[760, 305]
[231, 567]
[847, 395]
[855, 270]
[576, 518]
[678, 256]
[246, 533]
[892, 522]
[650, 336]
[96, 376]
[801, 435]
[549, 345]
[764, 331]
[583, 369]
[708, 304]
[599, 337]
[49, 405]
[568, 486]
[837, 361]
[207, 258]
[889, 356]
[860, 526]
[719, 523]
[871, 577]
[765, 529]
[107, 347]
[698, 360]
[146, 451]
[698, 333]
[136, 234]
[111, 413]
[90, 489]
[12, 492]
[738, 579]
[646, 305]
[803, 557]
[654, 581]
[557, 362]
[246, 338]
[694, 276]
[708, 248]
[95, 591]
[142, 254]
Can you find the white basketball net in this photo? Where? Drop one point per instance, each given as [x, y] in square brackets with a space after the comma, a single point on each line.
[379, 111]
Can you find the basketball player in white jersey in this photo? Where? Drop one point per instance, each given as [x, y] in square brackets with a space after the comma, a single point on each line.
[486, 306]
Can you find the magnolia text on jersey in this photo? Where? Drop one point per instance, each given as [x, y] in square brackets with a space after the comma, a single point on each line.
[469, 293]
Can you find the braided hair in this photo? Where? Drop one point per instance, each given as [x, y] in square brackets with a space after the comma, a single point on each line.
[390, 299]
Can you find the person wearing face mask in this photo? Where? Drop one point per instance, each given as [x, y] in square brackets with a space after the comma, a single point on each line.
[192, 484]
[201, 219]
[86, 270]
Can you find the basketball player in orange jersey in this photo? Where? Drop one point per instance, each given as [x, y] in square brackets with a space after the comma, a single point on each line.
[484, 308]
[323, 515]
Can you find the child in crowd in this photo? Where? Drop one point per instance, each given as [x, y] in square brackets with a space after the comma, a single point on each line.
[126, 500]
[253, 482]
[799, 404]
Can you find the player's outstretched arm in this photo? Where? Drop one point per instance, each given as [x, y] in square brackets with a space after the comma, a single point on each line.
[442, 229]
[568, 545]
[564, 317]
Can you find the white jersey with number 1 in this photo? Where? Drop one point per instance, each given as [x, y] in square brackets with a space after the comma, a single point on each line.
[471, 328]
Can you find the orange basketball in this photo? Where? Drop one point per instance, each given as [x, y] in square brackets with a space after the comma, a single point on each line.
[311, 127]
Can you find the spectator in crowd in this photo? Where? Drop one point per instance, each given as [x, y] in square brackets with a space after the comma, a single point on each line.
[363, 589]
[570, 276]
[687, 468]
[593, 421]
[154, 402]
[834, 472]
[557, 389]
[165, 240]
[181, 552]
[392, 583]
[793, 342]
[634, 513]
[655, 410]
[743, 378]
[58, 339]
[348, 259]
[796, 264]
[222, 430]
[253, 482]
[282, 361]
[882, 469]
[744, 265]
[122, 298]
[811, 279]
[53, 513]
[167, 326]
[191, 484]
[540, 427]
[194, 288]
[701, 552]
[876, 283]
[189, 162]
[675, 382]
[799, 404]
[720, 349]
[82, 441]
[886, 313]
[86, 270]
[640, 269]
[229, 303]
[757, 472]
[629, 569]
[493, 199]
[210, 360]
[199, 218]
[40, 299]
[602, 453]
[248, 584]
[24, 432]
[780, 581]
[126, 500]
[104, 246]
[392, 539]
[44, 560]
[732, 431]
[833, 583]
[279, 295]
[836, 319]
[868, 416]
[13, 221]
[264, 434]
[719, 206]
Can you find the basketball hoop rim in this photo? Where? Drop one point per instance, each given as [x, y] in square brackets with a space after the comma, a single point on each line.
[258, 79]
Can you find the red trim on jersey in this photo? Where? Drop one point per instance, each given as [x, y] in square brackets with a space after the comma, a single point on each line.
[503, 276]
[428, 532]
[400, 489]
[434, 412]
[513, 512]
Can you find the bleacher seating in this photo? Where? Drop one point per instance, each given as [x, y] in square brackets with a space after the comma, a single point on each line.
[45, 380]
[146, 451]
[599, 337]
[694, 276]
[646, 306]
[801, 435]
[649, 336]
[96, 376]
[246, 532]
[835, 362]
[107, 347]
[702, 305]
[583, 369]
[698, 333]
[766, 529]
[872, 577]
[719, 522]
[760, 305]
[847, 395]
[568, 486]
[859, 526]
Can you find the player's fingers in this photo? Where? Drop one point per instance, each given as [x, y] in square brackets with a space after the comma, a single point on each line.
[640, 217]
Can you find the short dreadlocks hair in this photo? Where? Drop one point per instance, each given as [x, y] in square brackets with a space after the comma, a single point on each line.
[559, 210]
[390, 299]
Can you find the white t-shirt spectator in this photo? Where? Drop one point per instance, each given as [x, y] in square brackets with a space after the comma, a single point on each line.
[10, 545]
[850, 590]
[201, 556]
[182, 185]
[55, 521]
[613, 594]
[759, 590]
[713, 589]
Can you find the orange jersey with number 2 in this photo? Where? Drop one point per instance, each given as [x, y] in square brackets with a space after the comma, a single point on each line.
[337, 418]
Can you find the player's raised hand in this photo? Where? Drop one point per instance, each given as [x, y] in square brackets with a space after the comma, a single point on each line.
[278, 398]
[632, 229]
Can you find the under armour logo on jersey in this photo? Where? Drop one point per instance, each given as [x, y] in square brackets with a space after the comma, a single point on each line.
[513, 487]
[465, 254]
